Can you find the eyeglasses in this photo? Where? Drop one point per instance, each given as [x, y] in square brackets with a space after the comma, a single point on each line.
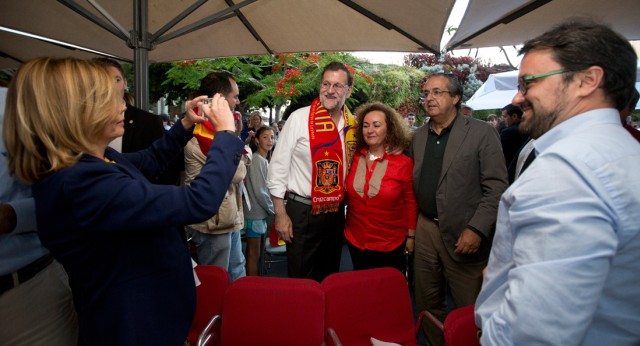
[523, 82]
[435, 93]
[339, 87]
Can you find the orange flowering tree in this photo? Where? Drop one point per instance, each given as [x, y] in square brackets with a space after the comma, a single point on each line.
[271, 81]
[296, 78]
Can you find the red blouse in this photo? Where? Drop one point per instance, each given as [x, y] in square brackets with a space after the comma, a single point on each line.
[381, 204]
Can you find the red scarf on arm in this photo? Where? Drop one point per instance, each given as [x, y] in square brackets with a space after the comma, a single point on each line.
[204, 133]
[329, 170]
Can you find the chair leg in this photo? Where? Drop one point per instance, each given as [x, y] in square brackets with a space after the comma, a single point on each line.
[261, 258]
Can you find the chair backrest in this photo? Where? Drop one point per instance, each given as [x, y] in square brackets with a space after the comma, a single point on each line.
[369, 303]
[460, 327]
[261, 310]
[214, 281]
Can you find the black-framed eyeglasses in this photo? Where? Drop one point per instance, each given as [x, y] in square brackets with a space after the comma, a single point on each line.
[339, 87]
[523, 82]
[434, 92]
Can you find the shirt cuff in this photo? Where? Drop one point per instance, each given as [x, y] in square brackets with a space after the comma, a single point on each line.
[476, 231]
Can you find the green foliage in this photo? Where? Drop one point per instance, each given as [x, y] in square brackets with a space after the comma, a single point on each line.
[183, 77]
[484, 113]
[265, 80]
[157, 86]
[6, 76]
[399, 88]
[293, 80]
[296, 77]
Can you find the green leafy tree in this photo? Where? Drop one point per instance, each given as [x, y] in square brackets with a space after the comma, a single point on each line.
[399, 87]
[184, 76]
[270, 81]
[295, 80]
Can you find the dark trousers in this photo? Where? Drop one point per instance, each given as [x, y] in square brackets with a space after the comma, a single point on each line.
[369, 259]
[317, 242]
[435, 272]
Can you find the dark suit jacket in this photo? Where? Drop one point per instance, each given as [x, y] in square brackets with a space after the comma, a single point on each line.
[512, 140]
[141, 129]
[121, 238]
[472, 180]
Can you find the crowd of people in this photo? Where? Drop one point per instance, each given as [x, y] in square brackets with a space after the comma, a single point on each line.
[535, 224]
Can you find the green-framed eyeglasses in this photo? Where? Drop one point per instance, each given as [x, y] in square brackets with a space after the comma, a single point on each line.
[523, 82]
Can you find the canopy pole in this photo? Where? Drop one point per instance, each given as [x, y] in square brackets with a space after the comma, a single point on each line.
[141, 46]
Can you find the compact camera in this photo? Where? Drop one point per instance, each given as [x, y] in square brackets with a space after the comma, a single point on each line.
[208, 101]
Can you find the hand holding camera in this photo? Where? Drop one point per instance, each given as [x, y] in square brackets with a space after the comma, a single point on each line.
[217, 110]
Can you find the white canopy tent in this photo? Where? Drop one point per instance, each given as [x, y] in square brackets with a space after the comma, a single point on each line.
[167, 30]
[489, 23]
[500, 88]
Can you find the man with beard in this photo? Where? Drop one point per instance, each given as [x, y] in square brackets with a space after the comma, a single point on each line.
[459, 174]
[566, 255]
[309, 165]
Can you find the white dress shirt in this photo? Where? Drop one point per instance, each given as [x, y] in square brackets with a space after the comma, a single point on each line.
[290, 168]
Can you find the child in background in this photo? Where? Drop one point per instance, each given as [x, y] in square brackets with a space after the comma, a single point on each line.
[259, 205]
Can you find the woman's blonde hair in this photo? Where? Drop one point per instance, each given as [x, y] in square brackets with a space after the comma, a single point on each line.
[55, 111]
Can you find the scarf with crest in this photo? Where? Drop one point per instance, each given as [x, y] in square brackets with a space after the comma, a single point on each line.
[329, 169]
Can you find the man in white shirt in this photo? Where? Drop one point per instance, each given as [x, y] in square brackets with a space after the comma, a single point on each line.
[309, 165]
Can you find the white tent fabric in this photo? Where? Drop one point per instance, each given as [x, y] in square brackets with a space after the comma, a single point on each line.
[500, 88]
[167, 30]
[490, 23]
[18, 48]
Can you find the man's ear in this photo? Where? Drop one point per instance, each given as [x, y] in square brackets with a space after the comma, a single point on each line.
[590, 79]
[458, 98]
[349, 93]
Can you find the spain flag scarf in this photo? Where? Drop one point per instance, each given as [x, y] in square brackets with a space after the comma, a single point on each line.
[204, 133]
[329, 170]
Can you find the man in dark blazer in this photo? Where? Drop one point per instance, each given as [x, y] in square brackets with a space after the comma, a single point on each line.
[141, 129]
[510, 137]
[459, 175]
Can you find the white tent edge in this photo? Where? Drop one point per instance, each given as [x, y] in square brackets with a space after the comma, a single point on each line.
[500, 88]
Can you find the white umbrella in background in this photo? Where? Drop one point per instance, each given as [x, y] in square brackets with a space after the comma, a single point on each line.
[496, 92]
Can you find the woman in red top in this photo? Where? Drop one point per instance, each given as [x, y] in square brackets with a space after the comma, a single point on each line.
[382, 209]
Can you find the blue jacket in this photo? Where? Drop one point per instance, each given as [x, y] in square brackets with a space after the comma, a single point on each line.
[121, 238]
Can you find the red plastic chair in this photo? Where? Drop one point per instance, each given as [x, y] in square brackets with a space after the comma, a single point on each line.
[368, 303]
[261, 310]
[214, 281]
[459, 328]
